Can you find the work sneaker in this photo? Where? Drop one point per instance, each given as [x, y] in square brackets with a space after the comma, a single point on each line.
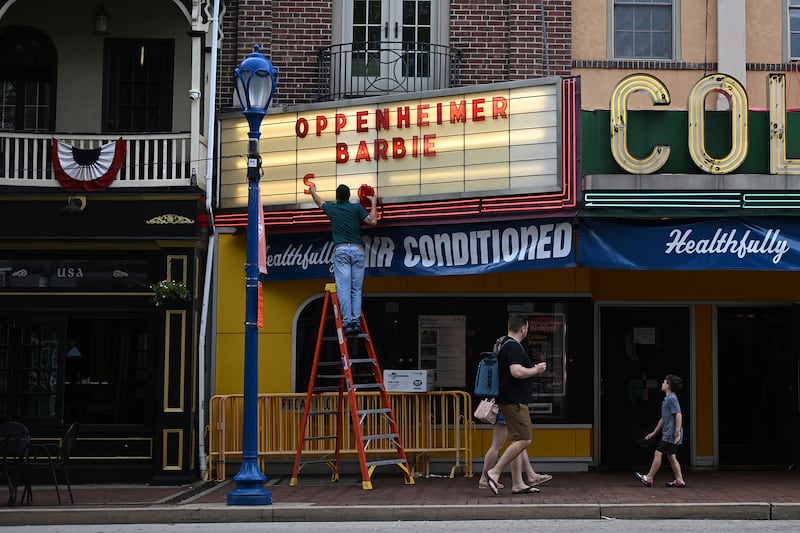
[643, 479]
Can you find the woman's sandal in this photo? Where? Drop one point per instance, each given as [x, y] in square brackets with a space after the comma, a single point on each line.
[538, 479]
[675, 484]
[526, 490]
[484, 485]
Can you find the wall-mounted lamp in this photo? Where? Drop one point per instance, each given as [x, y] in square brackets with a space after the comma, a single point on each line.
[101, 21]
[75, 204]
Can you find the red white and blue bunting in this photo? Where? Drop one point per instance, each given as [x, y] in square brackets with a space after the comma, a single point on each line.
[77, 169]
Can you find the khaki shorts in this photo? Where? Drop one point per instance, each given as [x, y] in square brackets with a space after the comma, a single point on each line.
[518, 421]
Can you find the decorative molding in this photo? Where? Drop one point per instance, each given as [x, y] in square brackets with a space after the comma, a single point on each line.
[170, 218]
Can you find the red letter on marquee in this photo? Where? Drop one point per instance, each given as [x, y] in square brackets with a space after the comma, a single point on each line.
[428, 149]
[477, 110]
[398, 148]
[362, 152]
[341, 121]
[322, 123]
[361, 121]
[381, 146]
[458, 111]
[499, 106]
[307, 182]
[341, 153]
[301, 127]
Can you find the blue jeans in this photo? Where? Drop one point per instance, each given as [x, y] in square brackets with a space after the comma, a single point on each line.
[348, 269]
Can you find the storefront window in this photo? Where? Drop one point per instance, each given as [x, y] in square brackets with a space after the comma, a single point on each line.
[447, 336]
[90, 369]
[106, 370]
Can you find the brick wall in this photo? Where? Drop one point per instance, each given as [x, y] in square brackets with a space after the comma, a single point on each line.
[500, 40]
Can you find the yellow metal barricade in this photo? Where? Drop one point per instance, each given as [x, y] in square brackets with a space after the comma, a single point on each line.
[433, 424]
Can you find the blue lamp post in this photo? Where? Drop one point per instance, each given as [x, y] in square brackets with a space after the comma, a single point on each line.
[256, 80]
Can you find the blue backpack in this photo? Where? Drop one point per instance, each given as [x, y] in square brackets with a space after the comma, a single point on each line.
[487, 380]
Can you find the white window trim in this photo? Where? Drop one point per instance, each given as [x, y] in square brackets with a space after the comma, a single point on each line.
[340, 33]
[786, 37]
[676, 35]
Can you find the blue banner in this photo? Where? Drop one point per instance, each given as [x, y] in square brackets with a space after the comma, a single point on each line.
[446, 250]
[709, 244]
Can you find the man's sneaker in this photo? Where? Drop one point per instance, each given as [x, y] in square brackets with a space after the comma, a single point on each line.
[643, 479]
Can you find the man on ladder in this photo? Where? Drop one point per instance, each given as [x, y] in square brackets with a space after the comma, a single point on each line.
[372, 425]
[348, 250]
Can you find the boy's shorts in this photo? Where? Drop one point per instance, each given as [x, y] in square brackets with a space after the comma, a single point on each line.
[667, 448]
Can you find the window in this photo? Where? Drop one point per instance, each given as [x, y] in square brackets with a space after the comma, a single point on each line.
[88, 369]
[447, 335]
[794, 29]
[644, 29]
[386, 46]
[27, 80]
[138, 81]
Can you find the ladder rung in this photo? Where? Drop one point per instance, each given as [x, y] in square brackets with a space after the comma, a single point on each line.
[326, 389]
[386, 462]
[367, 386]
[330, 376]
[316, 461]
[357, 361]
[380, 436]
[323, 413]
[374, 411]
[321, 437]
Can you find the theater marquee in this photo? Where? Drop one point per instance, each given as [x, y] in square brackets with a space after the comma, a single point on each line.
[483, 141]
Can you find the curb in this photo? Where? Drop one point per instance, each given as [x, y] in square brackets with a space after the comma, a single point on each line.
[214, 513]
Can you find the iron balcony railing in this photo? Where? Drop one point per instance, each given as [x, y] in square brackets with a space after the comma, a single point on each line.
[150, 159]
[357, 70]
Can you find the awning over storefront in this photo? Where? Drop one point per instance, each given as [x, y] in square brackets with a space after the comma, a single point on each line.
[431, 250]
[709, 244]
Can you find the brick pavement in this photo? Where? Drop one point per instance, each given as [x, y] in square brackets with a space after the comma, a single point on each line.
[592, 495]
[612, 487]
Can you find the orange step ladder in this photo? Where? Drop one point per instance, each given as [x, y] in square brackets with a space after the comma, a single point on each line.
[348, 374]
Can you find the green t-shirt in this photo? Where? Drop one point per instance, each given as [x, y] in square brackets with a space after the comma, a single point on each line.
[346, 221]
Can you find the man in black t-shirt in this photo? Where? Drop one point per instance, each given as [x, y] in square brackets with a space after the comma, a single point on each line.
[517, 371]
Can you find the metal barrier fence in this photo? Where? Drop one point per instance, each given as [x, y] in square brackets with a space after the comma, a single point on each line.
[432, 424]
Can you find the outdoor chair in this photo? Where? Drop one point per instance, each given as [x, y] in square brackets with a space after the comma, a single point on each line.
[52, 456]
[15, 439]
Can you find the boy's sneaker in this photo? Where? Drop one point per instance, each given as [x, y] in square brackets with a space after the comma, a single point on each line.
[643, 479]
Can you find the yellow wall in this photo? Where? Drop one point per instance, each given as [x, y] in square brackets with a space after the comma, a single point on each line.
[547, 442]
[283, 299]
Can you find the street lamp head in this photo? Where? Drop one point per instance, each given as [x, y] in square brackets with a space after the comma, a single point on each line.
[256, 81]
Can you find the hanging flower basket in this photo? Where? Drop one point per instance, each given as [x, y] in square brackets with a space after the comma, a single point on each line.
[166, 291]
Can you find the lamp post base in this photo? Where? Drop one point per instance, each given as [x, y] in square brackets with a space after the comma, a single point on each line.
[250, 488]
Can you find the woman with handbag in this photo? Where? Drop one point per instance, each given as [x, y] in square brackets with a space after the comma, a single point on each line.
[499, 436]
[517, 371]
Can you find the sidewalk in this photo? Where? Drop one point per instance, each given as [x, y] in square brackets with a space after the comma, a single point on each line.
[762, 495]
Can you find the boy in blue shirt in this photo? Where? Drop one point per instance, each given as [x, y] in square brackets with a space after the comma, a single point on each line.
[671, 426]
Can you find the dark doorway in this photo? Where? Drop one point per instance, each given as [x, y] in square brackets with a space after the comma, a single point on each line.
[757, 393]
[638, 347]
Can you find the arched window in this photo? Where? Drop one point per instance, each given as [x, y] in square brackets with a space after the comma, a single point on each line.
[28, 63]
